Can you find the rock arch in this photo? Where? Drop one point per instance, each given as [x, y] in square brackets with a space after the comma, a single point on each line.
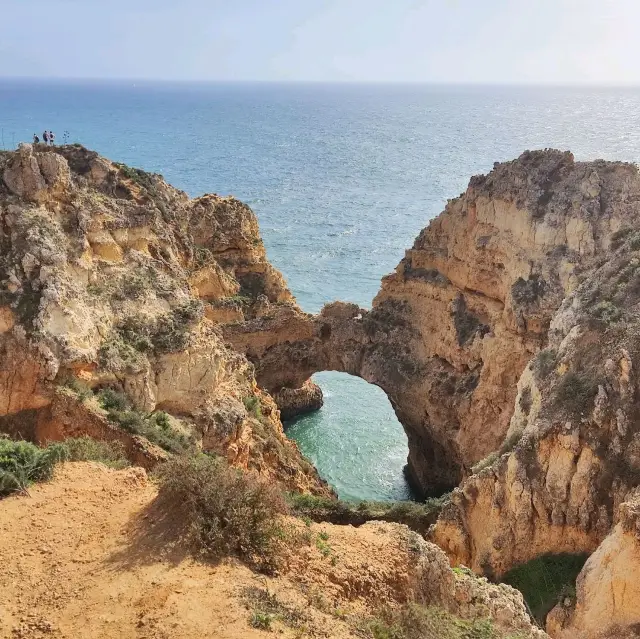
[453, 328]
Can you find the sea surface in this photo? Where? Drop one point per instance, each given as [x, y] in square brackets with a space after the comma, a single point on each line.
[342, 178]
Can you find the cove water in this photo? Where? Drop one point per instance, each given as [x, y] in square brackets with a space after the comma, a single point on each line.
[342, 178]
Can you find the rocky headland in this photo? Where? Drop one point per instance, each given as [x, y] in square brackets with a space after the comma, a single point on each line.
[505, 341]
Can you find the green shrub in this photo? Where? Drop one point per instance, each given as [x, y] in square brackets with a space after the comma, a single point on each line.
[546, 581]
[116, 355]
[488, 461]
[260, 620]
[111, 454]
[575, 392]
[231, 512]
[265, 605]
[167, 333]
[545, 363]
[156, 427]
[416, 515]
[111, 399]
[253, 406]
[81, 389]
[606, 311]
[243, 300]
[22, 463]
[202, 256]
[131, 287]
[510, 442]
[430, 622]
[162, 420]
[140, 177]
[617, 238]
[634, 241]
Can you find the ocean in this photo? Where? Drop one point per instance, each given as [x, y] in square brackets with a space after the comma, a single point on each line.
[342, 178]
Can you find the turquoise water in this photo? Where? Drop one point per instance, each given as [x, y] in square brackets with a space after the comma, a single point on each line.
[342, 178]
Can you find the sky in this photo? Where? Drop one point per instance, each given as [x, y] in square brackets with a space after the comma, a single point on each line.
[452, 41]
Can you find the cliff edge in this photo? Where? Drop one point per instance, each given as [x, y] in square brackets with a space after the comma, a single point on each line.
[113, 286]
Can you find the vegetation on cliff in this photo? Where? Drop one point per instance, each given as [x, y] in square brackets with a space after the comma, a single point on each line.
[506, 341]
[23, 463]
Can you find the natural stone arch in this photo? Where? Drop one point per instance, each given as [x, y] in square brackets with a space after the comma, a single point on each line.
[371, 345]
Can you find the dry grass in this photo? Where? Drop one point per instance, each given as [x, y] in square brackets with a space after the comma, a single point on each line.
[230, 512]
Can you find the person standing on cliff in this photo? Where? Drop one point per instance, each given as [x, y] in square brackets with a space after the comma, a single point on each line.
[45, 137]
[52, 138]
[36, 139]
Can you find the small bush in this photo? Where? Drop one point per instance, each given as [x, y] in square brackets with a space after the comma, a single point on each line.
[111, 399]
[607, 312]
[116, 355]
[429, 622]
[131, 287]
[526, 400]
[488, 461]
[82, 390]
[22, 463]
[634, 241]
[575, 392]
[506, 447]
[416, 515]
[260, 620]
[253, 406]
[167, 333]
[265, 605]
[110, 454]
[156, 427]
[617, 238]
[232, 513]
[528, 291]
[510, 442]
[545, 363]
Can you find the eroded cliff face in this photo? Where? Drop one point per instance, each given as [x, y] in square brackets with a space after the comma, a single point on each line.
[112, 278]
[608, 591]
[572, 454]
[452, 330]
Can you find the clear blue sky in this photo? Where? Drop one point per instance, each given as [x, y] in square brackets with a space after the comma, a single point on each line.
[491, 41]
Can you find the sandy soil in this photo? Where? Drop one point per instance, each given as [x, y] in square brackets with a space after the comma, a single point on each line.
[89, 554]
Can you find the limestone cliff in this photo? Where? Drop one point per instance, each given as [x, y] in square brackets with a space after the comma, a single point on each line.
[111, 278]
[506, 341]
[452, 330]
[608, 591]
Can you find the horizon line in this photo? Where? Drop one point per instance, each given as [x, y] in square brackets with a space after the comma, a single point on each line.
[434, 83]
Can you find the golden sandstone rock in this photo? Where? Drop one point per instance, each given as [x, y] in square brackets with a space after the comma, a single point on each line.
[506, 340]
[112, 278]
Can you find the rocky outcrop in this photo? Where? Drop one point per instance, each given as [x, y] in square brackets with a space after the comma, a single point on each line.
[572, 455]
[94, 531]
[111, 278]
[608, 592]
[452, 330]
[297, 401]
[387, 564]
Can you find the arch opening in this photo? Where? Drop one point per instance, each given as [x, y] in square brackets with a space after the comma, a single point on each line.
[355, 441]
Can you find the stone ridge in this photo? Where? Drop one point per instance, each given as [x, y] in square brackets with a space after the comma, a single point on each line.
[112, 278]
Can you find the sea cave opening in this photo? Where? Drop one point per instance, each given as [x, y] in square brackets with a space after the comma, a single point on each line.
[355, 440]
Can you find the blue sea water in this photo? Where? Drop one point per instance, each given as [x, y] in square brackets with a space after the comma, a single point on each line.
[342, 178]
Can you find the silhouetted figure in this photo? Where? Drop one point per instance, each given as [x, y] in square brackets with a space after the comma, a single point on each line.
[36, 139]
[52, 138]
[45, 137]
